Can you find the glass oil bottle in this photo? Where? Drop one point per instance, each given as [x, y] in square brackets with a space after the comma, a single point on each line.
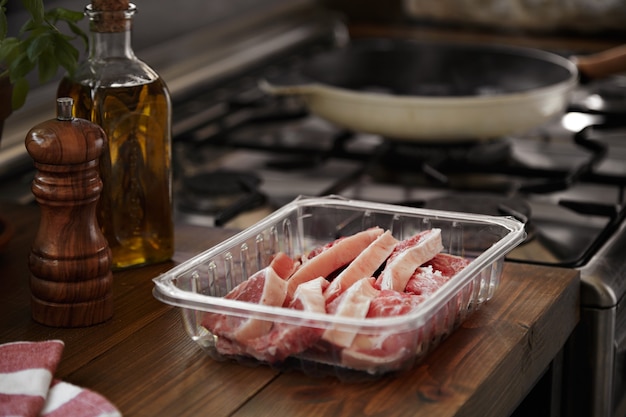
[130, 101]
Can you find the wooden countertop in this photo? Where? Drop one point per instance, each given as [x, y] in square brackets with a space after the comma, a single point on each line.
[143, 361]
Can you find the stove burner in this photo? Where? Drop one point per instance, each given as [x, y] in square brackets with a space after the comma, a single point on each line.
[606, 96]
[435, 161]
[483, 204]
[488, 204]
[294, 162]
[222, 182]
[480, 203]
[614, 87]
[472, 152]
[222, 194]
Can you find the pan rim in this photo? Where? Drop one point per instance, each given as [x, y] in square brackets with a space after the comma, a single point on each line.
[394, 100]
[380, 44]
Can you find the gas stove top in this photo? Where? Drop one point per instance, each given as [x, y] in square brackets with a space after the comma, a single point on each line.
[569, 173]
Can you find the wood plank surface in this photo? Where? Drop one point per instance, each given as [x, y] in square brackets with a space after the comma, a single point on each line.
[144, 362]
[134, 305]
[483, 368]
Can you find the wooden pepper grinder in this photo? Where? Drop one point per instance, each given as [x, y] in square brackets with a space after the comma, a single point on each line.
[70, 260]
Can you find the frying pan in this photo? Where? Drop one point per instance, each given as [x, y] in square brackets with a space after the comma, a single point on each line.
[433, 91]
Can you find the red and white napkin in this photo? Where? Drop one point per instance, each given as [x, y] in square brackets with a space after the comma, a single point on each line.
[28, 387]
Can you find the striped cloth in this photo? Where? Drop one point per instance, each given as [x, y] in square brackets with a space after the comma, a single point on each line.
[28, 387]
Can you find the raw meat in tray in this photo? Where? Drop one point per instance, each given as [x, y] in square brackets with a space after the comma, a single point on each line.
[330, 286]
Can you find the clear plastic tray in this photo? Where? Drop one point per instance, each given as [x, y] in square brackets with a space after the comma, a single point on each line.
[199, 284]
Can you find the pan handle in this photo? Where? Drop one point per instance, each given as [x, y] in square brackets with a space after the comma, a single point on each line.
[288, 90]
[602, 64]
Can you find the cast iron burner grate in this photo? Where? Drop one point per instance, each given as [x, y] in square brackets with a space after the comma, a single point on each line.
[434, 161]
[220, 194]
[606, 96]
[481, 203]
[494, 205]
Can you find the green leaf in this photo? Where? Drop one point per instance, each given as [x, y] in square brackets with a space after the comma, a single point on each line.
[66, 15]
[20, 91]
[9, 49]
[66, 55]
[38, 45]
[47, 65]
[29, 26]
[35, 8]
[20, 67]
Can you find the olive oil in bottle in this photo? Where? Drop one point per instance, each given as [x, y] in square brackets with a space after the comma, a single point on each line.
[132, 105]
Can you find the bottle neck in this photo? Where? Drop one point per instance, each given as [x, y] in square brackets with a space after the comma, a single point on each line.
[111, 45]
[110, 33]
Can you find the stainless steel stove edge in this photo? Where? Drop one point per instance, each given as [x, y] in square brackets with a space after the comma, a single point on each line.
[603, 278]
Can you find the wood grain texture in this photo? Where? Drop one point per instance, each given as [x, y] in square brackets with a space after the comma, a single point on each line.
[144, 362]
[70, 260]
[484, 368]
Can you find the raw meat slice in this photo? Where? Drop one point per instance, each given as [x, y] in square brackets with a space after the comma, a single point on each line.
[363, 266]
[391, 303]
[264, 287]
[353, 260]
[448, 264]
[428, 279]
[393, 350]
[332, 256]
[388, 349]
[354, 302]
[434, 273]
[425, 281]
[284, 265]
[407, 256]
[284, 339]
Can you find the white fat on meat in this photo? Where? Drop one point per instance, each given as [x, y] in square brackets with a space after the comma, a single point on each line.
[309, 296]
[363, 266]
[355, 303]
[408, 255]
[388, 349]
[273, 293]
[332, 257]
[284, 339]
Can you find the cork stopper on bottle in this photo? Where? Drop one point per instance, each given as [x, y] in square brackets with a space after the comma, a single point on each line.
[109, 5]
[112, 15]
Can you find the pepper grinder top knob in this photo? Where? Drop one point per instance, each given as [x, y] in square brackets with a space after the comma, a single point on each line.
[66, 140]
[65, 106]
